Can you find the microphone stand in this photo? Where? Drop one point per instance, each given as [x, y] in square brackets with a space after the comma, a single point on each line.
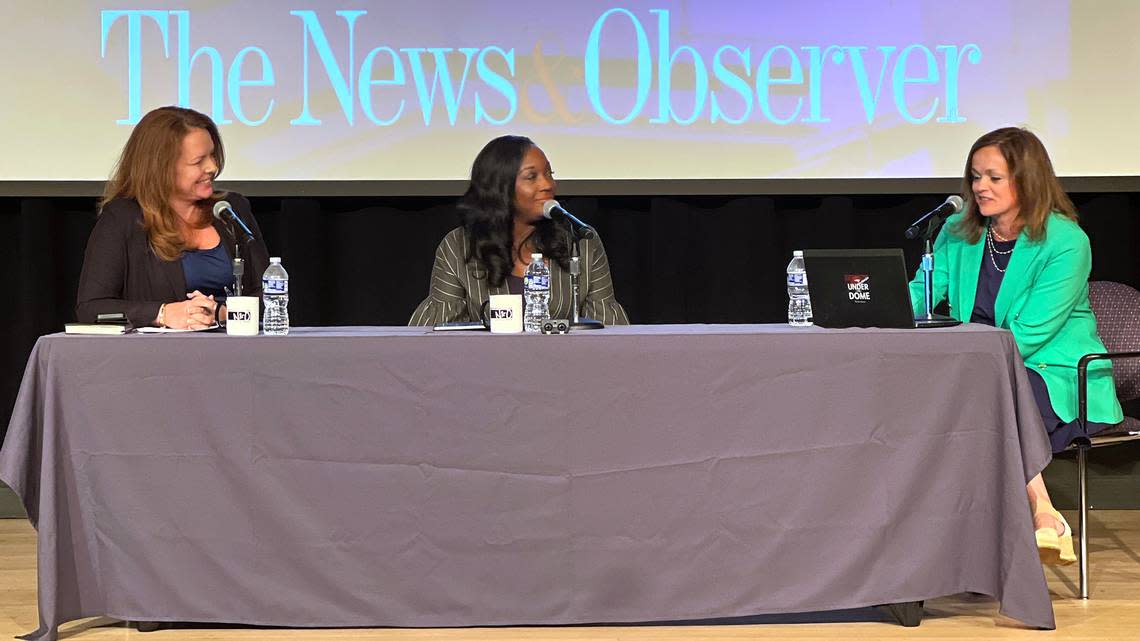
[238, 262]
[239, 272]
[928, 273]
[576, 320]
[930, 318]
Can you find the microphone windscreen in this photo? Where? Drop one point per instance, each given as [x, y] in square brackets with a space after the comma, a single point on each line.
[220, 206]
[957, 202]
[548, 207]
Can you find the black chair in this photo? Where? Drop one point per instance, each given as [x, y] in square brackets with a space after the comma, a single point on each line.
[1117, 309]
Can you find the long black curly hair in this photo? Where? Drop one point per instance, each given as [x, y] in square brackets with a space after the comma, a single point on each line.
[487, 211]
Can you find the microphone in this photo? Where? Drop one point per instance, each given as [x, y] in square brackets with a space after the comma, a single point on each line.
[223, 211]
[552, 210]
[952, 204]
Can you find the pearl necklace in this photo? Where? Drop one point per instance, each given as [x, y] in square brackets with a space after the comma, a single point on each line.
[998, 236]
[990, 237]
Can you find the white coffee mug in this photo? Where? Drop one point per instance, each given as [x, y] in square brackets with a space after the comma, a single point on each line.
[505, 313]
[241, 315]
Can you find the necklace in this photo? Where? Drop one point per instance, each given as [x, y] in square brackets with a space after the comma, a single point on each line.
[994, 250]
[995, 237]
[998, 236]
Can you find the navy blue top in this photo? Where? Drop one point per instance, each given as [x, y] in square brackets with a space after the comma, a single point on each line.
[208, 271]
[989, 281]
[515, 284]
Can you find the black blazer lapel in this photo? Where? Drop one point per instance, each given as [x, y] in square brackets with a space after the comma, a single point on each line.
[175, 277]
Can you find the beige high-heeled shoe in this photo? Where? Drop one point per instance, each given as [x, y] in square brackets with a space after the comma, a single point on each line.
[1054, 548]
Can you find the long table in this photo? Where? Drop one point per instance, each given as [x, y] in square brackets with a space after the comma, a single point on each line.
[400, 477]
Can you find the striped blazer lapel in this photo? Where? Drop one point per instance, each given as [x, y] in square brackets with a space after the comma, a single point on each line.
[478, 289]
[560, 291]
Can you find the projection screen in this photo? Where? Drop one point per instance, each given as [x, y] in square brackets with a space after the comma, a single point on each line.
[662, 90]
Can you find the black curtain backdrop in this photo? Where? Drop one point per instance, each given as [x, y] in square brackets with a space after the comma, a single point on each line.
[699, 259]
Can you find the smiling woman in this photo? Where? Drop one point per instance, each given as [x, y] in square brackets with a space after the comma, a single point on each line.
[156, 253]
[1017, 259]
[503, 224]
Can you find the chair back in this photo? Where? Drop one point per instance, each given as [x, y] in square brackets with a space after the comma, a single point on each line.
[1117, 309]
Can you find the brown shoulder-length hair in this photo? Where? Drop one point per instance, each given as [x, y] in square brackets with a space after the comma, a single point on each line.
[146, 172]
[1034, 184]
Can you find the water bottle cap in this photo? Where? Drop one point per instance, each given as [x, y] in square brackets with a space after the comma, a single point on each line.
[535, 257]
[799, 253]
[275, 260]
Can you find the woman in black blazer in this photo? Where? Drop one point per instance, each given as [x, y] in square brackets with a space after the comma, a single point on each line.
[157, 254]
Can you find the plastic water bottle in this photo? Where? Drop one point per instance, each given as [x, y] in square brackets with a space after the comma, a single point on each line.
[799, 303]
[275, 299]
[536, 288]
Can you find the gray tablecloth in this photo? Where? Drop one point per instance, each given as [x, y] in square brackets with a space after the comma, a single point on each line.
[399, 477]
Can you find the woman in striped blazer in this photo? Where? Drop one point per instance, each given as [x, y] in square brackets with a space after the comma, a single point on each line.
[502, 226]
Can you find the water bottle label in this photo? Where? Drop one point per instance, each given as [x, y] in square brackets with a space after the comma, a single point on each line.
[536, 281]
[797, 279]
[274, 286]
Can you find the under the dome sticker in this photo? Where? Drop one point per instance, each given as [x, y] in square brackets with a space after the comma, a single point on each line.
[858, 287]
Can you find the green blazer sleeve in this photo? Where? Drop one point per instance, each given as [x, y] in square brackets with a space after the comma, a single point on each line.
[1059, 286]
[1043, 301]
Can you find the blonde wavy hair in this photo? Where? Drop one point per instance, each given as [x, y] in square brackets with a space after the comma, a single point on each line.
[146, 172]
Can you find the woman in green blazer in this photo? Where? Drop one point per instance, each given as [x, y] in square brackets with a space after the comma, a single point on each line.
[1016, 258]
[503, 225]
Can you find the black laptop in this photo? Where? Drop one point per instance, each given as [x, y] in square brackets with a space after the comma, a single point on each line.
[862, 288]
